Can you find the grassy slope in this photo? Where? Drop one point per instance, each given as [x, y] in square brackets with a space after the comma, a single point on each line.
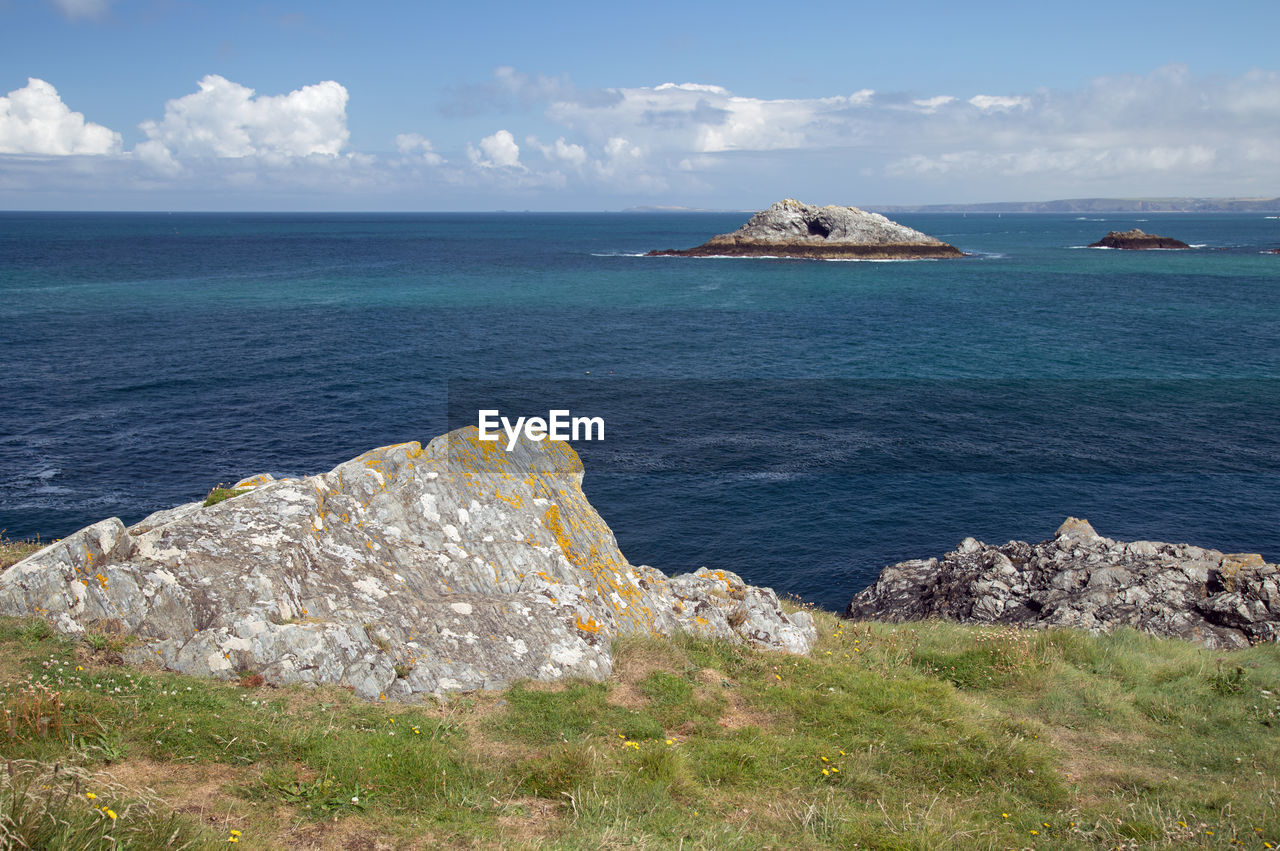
[921, 735]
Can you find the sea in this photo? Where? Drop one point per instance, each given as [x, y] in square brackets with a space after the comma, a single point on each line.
[802, 423]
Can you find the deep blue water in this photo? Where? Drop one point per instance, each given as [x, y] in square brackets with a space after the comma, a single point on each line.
[802, 423]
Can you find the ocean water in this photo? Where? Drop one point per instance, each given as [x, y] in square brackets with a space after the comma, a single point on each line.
[803, 423]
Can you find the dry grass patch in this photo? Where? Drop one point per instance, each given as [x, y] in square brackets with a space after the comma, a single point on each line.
[529, 822]
[13, 551]
[203, 790]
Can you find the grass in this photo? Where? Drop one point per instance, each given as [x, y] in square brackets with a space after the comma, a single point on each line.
[12, 552]
[888, 736]
[221, 494]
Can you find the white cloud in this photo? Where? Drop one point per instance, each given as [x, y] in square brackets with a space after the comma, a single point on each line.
[1096, 162]
[157, 156]
[560, 151]
[932, 104]
[226, 119]
[410, 143]
[73, 9]
[497, 151]
[987, 102]
[698, 118]
[34, 120]
[1168, 132]
[691, 87]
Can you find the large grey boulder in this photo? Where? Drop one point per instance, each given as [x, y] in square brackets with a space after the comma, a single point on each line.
[1080, 579]
[791, 228]
[405, 571]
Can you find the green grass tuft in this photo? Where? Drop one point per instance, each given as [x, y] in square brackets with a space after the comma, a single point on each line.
[221, 494]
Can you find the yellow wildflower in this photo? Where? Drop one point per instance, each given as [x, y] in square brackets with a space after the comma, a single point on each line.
[111, 814]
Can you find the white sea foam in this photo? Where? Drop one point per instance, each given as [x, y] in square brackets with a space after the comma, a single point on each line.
[779, 257]
[879, 259]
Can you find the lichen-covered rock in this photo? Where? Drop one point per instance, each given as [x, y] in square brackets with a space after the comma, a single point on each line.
[405, 571]
[1137, 239]
[791, 228]
[1080, 579]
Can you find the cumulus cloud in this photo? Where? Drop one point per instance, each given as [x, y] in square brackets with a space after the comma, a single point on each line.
[34, 120]
[226, 119]
[497, 151]
[415, 144]
[74, 9]
[560, 151]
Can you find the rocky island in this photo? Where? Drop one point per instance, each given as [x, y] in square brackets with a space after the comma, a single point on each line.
[409, 570]
[1081, 579]
[1136, 239]
[794, 229]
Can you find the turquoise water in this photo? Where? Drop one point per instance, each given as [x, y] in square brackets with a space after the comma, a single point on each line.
[802, 423]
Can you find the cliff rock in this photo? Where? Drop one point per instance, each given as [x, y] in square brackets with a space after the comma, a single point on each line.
[408, 570]
[793, 229]
[1080, 579]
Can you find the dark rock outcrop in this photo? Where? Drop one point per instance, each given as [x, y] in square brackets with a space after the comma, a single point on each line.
[793, 229]
[1082, 580]
[408, 570]
[1136, 239]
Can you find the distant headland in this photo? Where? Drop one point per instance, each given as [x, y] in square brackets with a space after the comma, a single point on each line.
[1100, 205]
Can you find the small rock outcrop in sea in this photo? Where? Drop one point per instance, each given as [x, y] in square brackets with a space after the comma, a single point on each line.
[408, 570]
[1082, 580]
[1137, 239]
[793, 229]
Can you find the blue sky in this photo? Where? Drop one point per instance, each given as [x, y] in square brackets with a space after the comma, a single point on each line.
[165, 104]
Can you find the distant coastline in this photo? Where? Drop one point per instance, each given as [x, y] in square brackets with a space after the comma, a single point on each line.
[1067, 205]
[1098, 205]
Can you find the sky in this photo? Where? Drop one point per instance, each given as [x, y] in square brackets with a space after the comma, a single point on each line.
[418, 106]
